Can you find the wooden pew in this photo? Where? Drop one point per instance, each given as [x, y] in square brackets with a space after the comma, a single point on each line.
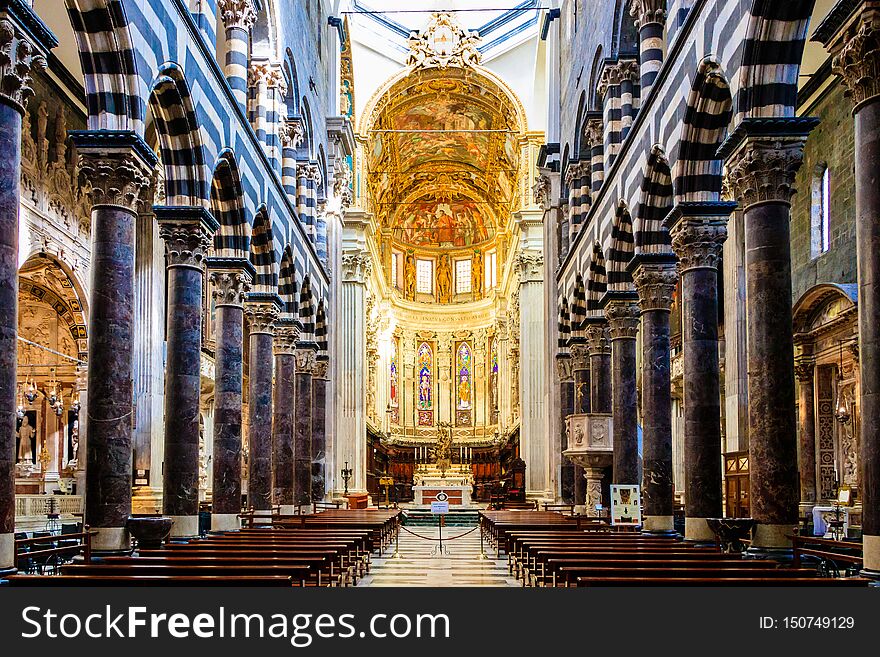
[150, 580]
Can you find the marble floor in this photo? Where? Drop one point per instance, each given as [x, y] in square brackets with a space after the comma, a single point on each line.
[459, 565]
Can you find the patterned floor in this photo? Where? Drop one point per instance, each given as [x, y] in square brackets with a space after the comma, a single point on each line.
[459, 565]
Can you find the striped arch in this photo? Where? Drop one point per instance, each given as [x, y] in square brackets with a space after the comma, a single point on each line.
[307, 310]
[621, 250]
[655, 202]
[287, 288]
[109, 65]
[564, 326]
[706, 119]
[597, 282]
[262, 254]
[772, 53]
[578, 306]
[180, 144]
[232, 240]
[321, 327]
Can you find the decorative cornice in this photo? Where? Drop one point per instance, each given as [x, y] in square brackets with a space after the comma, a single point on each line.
[530, 265]
[187, 233]
[229, 287]
[237, 13]
[357, 266]
[655, 283]
[646, 12]
[698, 242]
[261, 316]
[623, 319]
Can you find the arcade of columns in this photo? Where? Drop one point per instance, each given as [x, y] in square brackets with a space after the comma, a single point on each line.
[119, 167]
[761, 158]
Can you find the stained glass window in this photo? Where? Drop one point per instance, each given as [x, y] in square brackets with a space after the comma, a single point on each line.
[425, 401]
[464, 376]
[493, 379]
[392, 374]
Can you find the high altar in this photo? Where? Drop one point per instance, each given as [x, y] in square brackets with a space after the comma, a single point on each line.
[431, 478]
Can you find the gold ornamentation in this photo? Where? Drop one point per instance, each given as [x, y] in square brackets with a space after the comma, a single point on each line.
[442, 44]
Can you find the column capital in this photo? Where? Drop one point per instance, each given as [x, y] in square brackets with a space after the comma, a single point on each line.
[292, 133]
[187, 233]
[309, 171]
[322, 364]
[698, 231]
[855, 47]
[564, 368]
[357, 266]
[261, 315]
[580, 356]
[763, 156]
[237, 13]
[306, 360]
[24, 43]
[541, 191]
[287, 335]
[530, 265]
[117, 165]
[648, 11]
[594, 131]
[598, 337]
[268, 74]
[231, 280]
[609, 77]
[655, 278]
[629, 70]
[623, 317]
[803, 368]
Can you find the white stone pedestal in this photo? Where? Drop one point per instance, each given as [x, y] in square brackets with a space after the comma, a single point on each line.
[459, 495]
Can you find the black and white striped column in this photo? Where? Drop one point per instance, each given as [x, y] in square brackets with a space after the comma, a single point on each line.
[595, 137]
[572, 181]
[650, 17]
[269, 88]
[291, 138]
[609, 93]
[307, 175]
[238, 17]
[629, 74]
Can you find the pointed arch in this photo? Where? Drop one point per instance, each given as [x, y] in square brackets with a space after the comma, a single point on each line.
[655, 202]
[287, 288]
[597, 282]
[180, 144]
[232, 240]
[262, 254]
[771, 59]
[564, 326]
[579, 306]
[109, 65]
[321, 327]
[307, 310]
[621, 249]
[706, 120]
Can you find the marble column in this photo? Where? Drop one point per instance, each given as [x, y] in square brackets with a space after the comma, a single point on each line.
[698, 232]
[622, 313]
[238, 17]
[319, 427]
[599, 346]
[284, 415]
[593, 478]
[655, 278]
[856, 61]
[805, 371]
[306, 355]
[650, 17]
[579, 390]
[23, 51]
[763, 157]
[231, 280]
[261, 314]
[187, 234]
[118, 166]
[569, 471]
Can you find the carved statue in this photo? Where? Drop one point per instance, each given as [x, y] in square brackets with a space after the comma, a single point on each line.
[409, 276]
[477, 273]
[74, 443]
[443, 447]
[444, 279]
[25, 444]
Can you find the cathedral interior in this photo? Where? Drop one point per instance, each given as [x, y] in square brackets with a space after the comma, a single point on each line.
[609, 268]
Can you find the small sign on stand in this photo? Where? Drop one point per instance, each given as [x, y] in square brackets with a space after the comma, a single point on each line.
[440, 508]
[626, 510]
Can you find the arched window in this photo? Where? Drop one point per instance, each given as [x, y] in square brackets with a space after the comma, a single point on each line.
[393, 381]
[493, 380]
[820, 211]
[425, 392]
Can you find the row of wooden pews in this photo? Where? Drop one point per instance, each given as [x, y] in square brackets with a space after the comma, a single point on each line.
[331, 548]
[543, 550]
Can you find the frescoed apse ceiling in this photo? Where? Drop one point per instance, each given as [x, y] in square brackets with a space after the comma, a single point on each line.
[444, 158]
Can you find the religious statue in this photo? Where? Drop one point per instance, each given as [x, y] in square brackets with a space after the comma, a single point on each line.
[74, 443]
[443, 447]
[444, 279]
[464, 390]
[25, 444]
[409, 276]
[424, 390]
[477, 270]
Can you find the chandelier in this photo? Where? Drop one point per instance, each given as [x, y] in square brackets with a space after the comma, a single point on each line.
[841, 408]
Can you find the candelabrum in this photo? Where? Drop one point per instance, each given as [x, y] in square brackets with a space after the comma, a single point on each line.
[346, 476]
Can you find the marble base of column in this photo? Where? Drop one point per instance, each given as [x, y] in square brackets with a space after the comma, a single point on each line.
[118, 167]
[302, 449]
[230, 282]
[187, 234]
[655, 278]
[286, 336]
[696, 530]
[762, 162]
[622, 313]
[319, 429]
[593, 478]
[262, 314]
[698, 231]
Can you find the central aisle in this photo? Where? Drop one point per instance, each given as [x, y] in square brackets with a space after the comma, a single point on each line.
[460, 564]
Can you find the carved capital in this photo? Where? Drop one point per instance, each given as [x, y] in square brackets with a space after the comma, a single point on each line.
[320, 369]
[120, 178]
[594, 132]
[764, 169]
[646, 12]
[854, 350]
[623, 319]
[564, 369]
[857, 56]
[698, 242]
[186, 242]
[229, 287]
[629, 70]
[598, 338]
[541, 191]
[305, 361]
[580, 356]
[610, 77]
[286, 337]
[261, 316]
[270, 75]
[292, 134]
[655, 284]
[237, 13]
[804, 368]
[308, 171]
[357, 266]
[530, 265]
[18, 59]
